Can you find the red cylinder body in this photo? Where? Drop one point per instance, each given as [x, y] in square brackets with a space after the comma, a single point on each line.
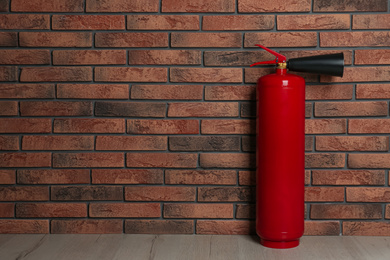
[280, 159]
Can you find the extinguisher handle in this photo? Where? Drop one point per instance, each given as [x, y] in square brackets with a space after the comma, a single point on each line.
[279, 57]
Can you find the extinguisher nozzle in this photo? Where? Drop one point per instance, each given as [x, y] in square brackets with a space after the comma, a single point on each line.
[329, 64]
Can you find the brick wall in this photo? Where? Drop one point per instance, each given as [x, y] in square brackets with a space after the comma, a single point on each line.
[139, 116]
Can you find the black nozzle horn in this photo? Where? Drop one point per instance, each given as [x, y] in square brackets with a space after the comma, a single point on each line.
[329, 64]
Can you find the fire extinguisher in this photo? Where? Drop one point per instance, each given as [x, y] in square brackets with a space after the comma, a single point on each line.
[280, 153]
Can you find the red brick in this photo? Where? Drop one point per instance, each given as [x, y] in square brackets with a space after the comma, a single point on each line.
[204, 143]
[88, 22]
[253, 74]
[281, 39]
[309, 143]
[371, 21]
[25, 125]
[89, 57]
[238, 22]
[225, 227]
[324, 160]
[369, 160]
[25, 159]
[325, 126]
[89, 125]
[252, 6]
[120, 6]
[313, 22]
[201, 177]
[246, 92]
[81, 160]
[7, 210]
[92, 91]
[247, 178]
[159, 193]
[206, 40]
[323, 194]
[25, 57]
[55, 108]
[7, 177]
[86, 193]
[330, 109]
[322, 92]
[231, 126]
[301, 53]
[8, 39]
[165, 57]
[219, 75]
[55, 74]
[57, 142]
[199, 210]
[4, 6]
[8, 73]
[348, 177]
[124, 210]
[51, 210]
[159, 226]
[364, 228]
[162, 160]
[225, 194]
[234, 58]
[245, 211]
[130, 109]
[53, 176]
[200, 6]
[203, 109]
[47, 6]
[18, 226]
[24, 193]
[24, 21]
[227, 160]
[308, 110]
[355, 39]
[130, 74]
[87, 226]
[248, 109]
[127, 176]
[377, 126]
[136, 143]
[322, 228]
[55, 39]
[352, 143]
[360, 74]
[181, 92]
[21, 91]
[372, 56]
[139, 126]
[131, 40]
[387, 211]
[307, 177]
[372, 91]
[349, 6]
[340, 211]
[8, 108]
[163, 22]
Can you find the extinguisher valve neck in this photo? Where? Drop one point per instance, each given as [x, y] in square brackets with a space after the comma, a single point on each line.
[282, 65]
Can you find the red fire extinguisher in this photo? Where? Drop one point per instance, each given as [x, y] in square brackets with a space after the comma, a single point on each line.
[280, 154]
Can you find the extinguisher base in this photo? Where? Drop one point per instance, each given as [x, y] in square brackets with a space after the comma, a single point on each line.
[279, 244]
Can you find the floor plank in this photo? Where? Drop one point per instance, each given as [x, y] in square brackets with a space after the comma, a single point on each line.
[179, 247]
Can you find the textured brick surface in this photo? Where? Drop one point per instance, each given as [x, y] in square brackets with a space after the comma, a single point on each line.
[163, 22]
[313, 22]
[348, 177]
[159, 226]
[139, 116]
[252, 6]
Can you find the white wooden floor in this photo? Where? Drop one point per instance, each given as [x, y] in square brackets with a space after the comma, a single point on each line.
[186, 247]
